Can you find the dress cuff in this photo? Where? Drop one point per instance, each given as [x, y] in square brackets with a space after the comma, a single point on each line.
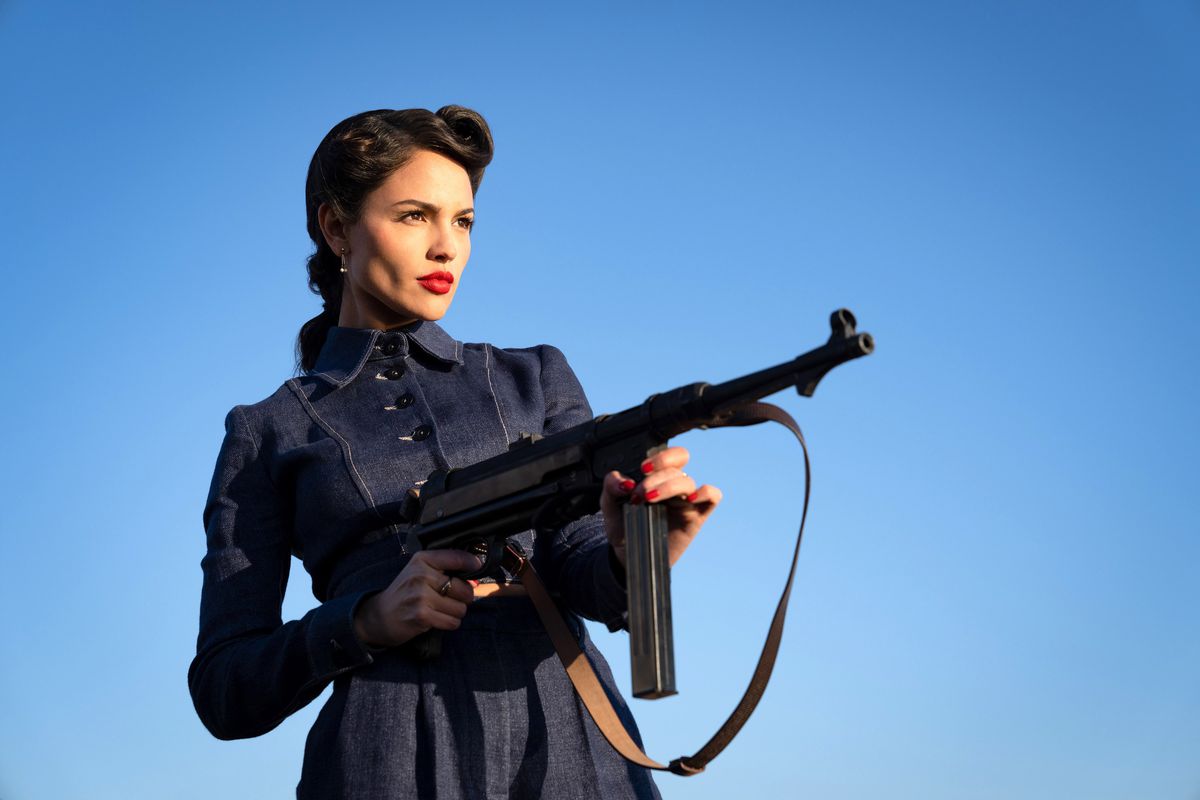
[618, 569]
[332, 644]
[610, 590]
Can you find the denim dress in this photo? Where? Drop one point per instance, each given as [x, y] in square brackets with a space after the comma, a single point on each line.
[298, 473]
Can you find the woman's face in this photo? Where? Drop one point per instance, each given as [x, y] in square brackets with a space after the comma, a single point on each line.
[406, 252]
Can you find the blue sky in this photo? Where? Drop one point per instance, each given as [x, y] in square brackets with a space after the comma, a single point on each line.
[998, 595]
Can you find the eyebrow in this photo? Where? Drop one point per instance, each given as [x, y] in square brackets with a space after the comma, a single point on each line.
[430, 207]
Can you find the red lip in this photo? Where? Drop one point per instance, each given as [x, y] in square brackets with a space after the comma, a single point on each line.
[437, 282]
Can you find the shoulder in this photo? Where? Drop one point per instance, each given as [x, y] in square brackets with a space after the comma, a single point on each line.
[259, 420]
[543, 360]
[542, 368]
[540, 372]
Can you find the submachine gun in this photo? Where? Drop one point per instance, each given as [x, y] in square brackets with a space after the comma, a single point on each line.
[545, 482]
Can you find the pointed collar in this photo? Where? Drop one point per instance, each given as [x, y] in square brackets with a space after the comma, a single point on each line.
[347, 350]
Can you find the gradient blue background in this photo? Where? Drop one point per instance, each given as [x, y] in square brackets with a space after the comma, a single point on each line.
[999, 594]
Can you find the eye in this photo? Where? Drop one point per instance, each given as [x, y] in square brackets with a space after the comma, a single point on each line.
[413, 216]
[465, 222]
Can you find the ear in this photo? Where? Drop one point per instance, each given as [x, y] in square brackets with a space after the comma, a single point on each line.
[332, 227]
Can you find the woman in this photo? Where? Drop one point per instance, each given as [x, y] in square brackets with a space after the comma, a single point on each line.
[385, 397]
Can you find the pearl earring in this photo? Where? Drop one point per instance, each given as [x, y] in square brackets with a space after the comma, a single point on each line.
[344, 260]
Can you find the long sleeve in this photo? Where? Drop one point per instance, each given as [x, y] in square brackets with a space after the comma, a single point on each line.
[577, 562]
[251, 669]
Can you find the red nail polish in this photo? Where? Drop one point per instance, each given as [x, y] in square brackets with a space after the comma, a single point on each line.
[692, 497]
[653, 493]
[636, 500]
[627, 485]
[647, 467]
[473, 582]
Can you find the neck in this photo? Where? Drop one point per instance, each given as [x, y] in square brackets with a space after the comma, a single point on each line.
[367, 312]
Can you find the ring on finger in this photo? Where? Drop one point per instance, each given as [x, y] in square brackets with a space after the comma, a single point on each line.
[445, 587]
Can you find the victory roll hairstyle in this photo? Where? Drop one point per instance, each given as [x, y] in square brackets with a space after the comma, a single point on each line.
[353, 159]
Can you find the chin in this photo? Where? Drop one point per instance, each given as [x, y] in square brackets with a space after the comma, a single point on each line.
[432, 312]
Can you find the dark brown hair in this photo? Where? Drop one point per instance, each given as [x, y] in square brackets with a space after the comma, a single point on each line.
[353, 159]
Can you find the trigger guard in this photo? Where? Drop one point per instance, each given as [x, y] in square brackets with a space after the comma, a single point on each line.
[490, 552]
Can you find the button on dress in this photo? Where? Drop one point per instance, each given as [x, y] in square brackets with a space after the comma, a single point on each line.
[305, 472]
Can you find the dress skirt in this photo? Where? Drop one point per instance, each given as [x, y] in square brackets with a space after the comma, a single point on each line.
[494, 716]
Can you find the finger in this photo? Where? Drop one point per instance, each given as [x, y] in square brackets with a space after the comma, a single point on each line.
[431, 617]
[618, 485]
[449, 606]
[616, 490]
[676, 457]
[423, 577]
[419, 572]
[706, 498]
[444, 584]
[449, 561]
[668, 482]
[460, 590]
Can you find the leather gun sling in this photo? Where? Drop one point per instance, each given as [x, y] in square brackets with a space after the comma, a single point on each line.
[588, 686]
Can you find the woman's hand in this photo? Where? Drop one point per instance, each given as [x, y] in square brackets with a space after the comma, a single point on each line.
[664, 481]
[419, 598]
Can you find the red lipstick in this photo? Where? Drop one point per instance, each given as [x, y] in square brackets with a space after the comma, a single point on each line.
[437, 282]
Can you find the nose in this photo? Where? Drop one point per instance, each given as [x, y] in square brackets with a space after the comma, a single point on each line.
[442, 249]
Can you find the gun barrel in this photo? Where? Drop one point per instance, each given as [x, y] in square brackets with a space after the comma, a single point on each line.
[803, 372]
